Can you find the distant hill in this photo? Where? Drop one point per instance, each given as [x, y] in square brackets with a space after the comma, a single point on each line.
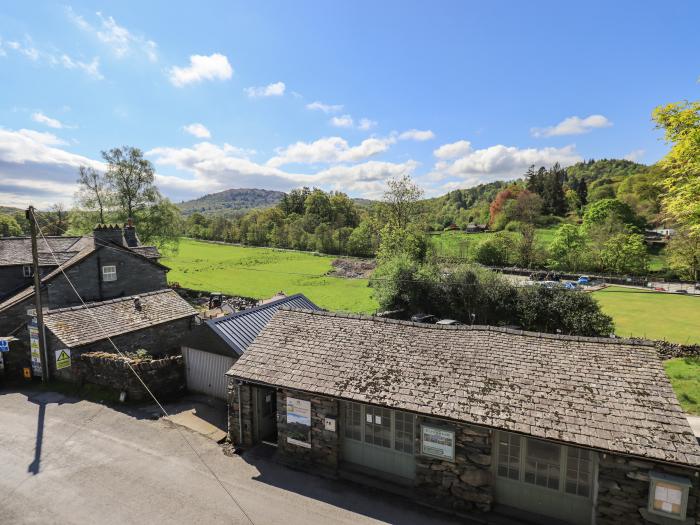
[9, 210]
[231, 202]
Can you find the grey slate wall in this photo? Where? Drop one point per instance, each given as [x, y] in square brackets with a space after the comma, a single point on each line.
[623, 488]
[240, 414]
[135, 275]
[158, 340]
[324, 454]
[12, 280]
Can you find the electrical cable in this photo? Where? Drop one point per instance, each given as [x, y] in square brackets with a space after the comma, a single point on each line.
[127, 361]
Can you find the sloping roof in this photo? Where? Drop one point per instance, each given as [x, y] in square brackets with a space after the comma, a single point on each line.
[599, 393]
[18, 250]
[239, 330]
[77, 326]
[87, 248]
[150, 252]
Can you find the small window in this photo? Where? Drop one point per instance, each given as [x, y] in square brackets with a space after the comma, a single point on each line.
[353, 421]
[509, 455]
[378, 426]
[578, 471]
[542, 463]
[668, 495]
[27, 270]
[404, 433]
[109, 273]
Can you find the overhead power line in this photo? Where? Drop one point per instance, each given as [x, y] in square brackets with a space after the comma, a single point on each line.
[128, 362]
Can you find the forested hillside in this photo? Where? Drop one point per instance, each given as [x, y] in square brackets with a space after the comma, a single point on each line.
[231, 202]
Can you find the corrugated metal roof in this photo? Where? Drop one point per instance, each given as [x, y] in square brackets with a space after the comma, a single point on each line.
[239, 330]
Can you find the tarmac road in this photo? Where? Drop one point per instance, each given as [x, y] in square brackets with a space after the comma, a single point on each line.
[65, 461]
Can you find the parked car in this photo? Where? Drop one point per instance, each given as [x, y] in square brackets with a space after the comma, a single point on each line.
[423, 318]
[583, 280]
[448, 322]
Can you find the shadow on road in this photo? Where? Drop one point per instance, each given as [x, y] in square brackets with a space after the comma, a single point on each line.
[34, 466]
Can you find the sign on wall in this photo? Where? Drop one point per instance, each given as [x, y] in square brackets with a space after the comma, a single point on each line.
[4, 345]
[437, 442]
[34, 347]
[299, 422]
[63, 358]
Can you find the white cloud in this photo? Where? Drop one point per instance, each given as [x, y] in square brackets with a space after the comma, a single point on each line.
[366, 124]
[28, 49]
[198, 130]
[497, 162]
[326, 108]
[90, 68]
[118, 38]
[344, 121]
[452, 150]
[35, 169]
[271, 90]
[417, 135]
[215, 168]
[43, 119]
[213, 67]
[573, 126]
[329, 150]
[635, 155]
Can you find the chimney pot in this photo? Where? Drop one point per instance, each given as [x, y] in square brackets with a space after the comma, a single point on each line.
[137, 303]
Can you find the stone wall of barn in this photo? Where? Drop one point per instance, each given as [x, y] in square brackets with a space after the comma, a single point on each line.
[623, 489]
[13, 321]
[240, 414]
[165, 378]
[464, 484]
[323, 455]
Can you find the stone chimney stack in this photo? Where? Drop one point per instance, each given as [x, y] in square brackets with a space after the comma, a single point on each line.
[108, 233]
[130, 234]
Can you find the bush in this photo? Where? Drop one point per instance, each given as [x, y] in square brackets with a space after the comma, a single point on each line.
[494, 250]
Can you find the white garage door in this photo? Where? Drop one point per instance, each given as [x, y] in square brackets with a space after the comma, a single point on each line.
[205, 372]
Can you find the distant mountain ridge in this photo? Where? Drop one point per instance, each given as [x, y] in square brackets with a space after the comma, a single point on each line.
[230, 202]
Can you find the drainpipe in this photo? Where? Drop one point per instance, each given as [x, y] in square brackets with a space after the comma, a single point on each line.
[240, 417]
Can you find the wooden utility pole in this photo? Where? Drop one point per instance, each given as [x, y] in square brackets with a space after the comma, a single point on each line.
[37, 297]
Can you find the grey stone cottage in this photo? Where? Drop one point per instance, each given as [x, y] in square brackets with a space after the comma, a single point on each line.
[478, 420]
[111, 264]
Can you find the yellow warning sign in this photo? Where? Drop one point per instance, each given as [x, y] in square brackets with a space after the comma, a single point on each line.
[62, 358]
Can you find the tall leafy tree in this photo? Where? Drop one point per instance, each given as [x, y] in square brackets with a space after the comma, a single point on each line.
[131, 178]
[9, 226]
[681, 124]
[401, 200]
[94, 192]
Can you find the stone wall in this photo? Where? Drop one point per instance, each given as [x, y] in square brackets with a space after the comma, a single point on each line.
[324, 453]
[465, 484]
[164, 377]
[135, 274]
[623, 488]
[241, 438]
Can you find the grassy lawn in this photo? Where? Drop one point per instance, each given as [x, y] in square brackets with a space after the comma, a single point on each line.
[262, 272]
[655, 315]
[685, 378]
[463, 245]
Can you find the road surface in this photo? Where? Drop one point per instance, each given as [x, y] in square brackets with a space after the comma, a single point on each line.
[65, 461]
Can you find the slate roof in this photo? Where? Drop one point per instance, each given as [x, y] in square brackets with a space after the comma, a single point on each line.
[18, 250]
[150, 252]
[610, 395]
[240, 329]
[77, 326]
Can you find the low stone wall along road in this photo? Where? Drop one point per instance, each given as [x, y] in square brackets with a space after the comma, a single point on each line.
[64, 461]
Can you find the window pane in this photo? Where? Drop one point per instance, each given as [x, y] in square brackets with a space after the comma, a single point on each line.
[353, 421]
[509, 455]
[578, 469]
[542, 463]
[403, 432]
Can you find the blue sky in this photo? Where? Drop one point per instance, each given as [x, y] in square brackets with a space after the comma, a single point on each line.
[337, 95]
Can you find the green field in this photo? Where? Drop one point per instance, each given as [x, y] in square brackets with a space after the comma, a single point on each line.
[684, 373]
[463, 245]
[654, 315]
[262, 272]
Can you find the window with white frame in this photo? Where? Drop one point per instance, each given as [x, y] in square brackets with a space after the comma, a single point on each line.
[381, 427]
[545, 464]
[109, 273]
[27, 270]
